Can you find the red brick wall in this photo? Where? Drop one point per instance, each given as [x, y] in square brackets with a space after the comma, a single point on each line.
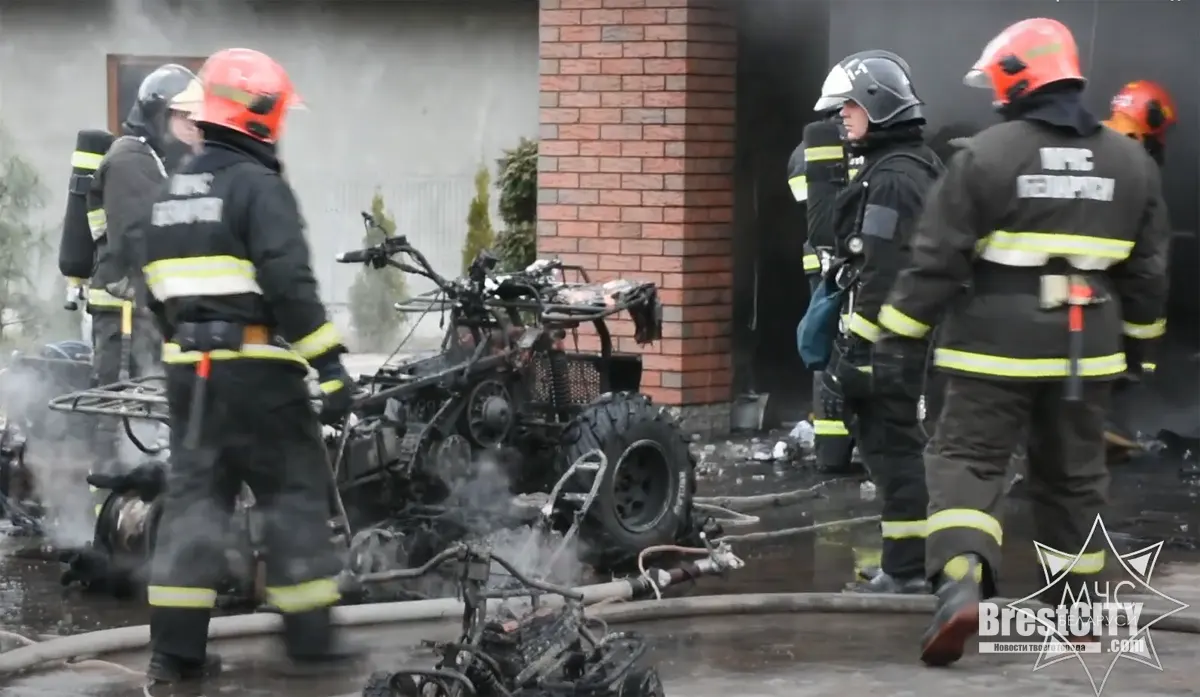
[635, 178]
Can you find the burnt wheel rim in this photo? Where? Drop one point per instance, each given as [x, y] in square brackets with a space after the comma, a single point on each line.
[641, 486]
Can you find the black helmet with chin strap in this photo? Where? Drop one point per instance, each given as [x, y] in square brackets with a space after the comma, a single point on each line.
[150, 115]
[878, 81]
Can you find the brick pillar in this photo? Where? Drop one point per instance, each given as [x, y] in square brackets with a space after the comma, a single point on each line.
[635, 177]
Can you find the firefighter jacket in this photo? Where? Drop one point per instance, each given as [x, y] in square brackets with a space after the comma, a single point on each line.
[125, 185]
[226, 244]
[1023, 208]
[874, 217]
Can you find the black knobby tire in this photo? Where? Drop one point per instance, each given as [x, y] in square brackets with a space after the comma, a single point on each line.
[648, 459]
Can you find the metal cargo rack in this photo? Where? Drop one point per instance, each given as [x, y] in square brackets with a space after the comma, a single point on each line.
[141, 398]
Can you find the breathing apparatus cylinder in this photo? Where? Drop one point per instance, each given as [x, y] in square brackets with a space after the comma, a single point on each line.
[77, 250]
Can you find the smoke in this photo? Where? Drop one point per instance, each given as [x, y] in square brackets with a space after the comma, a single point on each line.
[58, 447]
[535, 550]
[55, 455]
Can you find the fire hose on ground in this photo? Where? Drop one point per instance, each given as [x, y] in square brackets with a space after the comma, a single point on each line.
[242, 626]
[614, 601]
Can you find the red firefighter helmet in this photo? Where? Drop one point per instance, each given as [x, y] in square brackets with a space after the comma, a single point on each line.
[1025, 57]
[1142, 108]
[246, 91]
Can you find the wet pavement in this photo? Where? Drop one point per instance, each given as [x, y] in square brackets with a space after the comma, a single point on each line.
[784, 655]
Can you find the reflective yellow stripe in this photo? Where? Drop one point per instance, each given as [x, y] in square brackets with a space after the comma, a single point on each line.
[174, 355]
[829, 427]
[1145, 331]
[811, 263]
[1000, 366]
[181, 596]
[1036, 248]
[1090, 563]
[324, 339]
[853, 172]
[904, 529]
[1149, 367]
[102, 298]
[863, 327]
[304, 596]
[823, 153]
[332, 386]
[86, 160]
[899, 323]
[966, 518]
[799, 186]
[201, 276]
[97, 223]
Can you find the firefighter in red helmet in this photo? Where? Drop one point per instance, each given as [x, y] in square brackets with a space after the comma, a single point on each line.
[1058, 226]
[1144, 111]
[232, 288]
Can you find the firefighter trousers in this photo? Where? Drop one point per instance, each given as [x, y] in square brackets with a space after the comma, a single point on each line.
[982, 423]
[890, 441]
[832, 445]
[108, 359]
[258, 428]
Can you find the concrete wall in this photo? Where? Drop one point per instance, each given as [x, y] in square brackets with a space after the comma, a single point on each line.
[404, 97]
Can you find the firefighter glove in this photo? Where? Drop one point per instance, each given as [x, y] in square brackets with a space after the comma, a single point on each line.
[897, 366]
[337, 392]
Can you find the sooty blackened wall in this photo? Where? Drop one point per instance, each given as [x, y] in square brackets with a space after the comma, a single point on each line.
[779, 77]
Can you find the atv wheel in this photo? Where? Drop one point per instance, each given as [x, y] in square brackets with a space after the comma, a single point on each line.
[645, 496]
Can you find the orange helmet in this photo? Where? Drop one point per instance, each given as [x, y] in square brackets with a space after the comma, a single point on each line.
[246, 91]
[1025, 57]
[1142, 109]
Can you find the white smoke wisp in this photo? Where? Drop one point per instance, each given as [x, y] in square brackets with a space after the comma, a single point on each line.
[533, 550]
[55, 455]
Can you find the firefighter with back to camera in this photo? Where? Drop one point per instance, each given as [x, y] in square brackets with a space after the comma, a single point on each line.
[833, 447]
[157, 134]
[1143, 111]
[232, 289]
[872, 219]
[1059, 228]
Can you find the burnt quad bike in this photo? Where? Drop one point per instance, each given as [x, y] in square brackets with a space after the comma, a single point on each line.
[543, 651]
[502, 390]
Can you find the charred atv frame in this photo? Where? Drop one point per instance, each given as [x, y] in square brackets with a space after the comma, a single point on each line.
[505, 384]
[503, 388]
[547, 652]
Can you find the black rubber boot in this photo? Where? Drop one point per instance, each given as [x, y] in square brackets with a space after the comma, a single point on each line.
[313, 647]
[956, 618]
[880, 582]
[171, 669]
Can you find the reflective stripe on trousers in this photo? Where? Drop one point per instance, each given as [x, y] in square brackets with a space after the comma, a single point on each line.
[201, 276]
[181, 597]
[811, 263]
[903, 529]
[1145, 331]
[303, 597]
[1036, 248]
[98, 297]
[829, 427]
[1000, 366]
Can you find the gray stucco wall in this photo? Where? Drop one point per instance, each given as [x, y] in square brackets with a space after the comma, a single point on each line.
[407, 97]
